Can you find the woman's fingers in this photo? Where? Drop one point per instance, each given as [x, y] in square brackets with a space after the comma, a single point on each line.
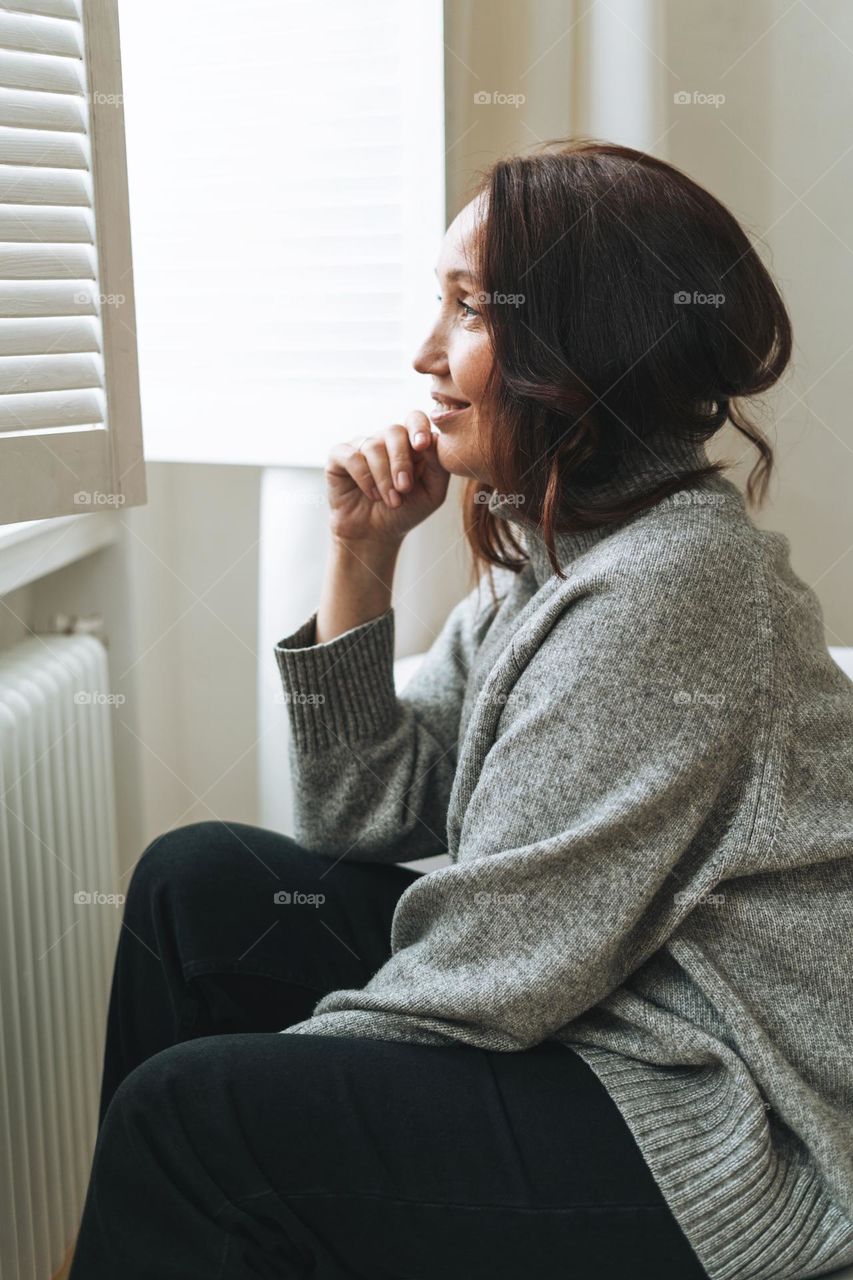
[350, 461]
[383, 464]
[376, 452]
[389, 459]
[419, 428]
[400, 462]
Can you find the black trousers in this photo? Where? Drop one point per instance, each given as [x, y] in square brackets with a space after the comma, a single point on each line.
[227, 1152]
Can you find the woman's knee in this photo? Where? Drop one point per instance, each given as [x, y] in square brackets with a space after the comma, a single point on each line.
[208, 851]
[168, 1120]
[196, 1090]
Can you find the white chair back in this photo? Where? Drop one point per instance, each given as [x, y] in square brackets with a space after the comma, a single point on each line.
[844, 657]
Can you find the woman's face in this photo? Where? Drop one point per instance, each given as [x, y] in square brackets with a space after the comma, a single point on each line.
[457, 354]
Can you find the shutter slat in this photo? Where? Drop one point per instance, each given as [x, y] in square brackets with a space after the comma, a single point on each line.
[48, 8]
[42, 110]
[69, 377]
[40, 410]
[47, 262]
[22, 223]
[61, 335]
[38, 147]
[46, 298]
[44, 186]
[48, 373]
[40, 72]
[41, 35]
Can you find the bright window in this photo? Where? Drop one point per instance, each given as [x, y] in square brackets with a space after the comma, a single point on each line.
[286, 170]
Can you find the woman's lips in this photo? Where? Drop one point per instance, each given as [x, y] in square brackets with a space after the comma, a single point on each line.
[446, 413]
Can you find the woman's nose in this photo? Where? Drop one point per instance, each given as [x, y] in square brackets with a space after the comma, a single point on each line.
[430, 357]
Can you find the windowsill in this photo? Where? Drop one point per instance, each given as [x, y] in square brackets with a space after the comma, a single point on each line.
[31, 549]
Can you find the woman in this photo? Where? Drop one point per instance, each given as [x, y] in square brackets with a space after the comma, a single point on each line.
[614, 1035]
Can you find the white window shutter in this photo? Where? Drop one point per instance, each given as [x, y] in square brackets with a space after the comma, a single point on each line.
[70, 429]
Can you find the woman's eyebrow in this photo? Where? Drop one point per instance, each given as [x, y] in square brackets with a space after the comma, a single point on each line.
[456, 274]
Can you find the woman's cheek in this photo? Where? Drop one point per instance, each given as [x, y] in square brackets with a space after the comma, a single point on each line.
[474, 367]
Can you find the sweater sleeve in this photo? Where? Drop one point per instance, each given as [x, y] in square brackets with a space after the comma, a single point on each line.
[581, 843]
[372, 770]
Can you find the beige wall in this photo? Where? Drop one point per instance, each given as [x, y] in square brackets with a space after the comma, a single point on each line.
[192, 557]
[508, 47]
[776, 152]
[783, 129]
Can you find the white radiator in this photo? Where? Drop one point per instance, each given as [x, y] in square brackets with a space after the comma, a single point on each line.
[57, 845]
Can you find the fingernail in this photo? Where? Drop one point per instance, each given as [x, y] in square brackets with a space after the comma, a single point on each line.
[421, 437]
[394, 498]
[402, 480]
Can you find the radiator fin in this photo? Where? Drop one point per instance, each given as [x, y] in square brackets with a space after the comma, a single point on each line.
[57, 840]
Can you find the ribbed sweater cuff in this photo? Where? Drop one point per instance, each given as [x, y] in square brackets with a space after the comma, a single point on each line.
[340, 691]
[742, 1216]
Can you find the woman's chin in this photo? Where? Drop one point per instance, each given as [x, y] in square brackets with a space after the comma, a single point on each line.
[449, 456]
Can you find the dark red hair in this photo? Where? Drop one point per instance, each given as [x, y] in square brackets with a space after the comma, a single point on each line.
[602, 358]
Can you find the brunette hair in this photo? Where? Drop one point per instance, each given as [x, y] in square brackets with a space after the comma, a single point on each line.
[601, 358]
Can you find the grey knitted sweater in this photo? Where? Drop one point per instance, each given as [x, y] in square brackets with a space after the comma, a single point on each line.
[642, 777]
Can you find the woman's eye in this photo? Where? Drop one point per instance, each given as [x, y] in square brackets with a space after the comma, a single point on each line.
[468, 312]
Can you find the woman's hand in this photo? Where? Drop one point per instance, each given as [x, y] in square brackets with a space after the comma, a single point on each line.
[379, 491]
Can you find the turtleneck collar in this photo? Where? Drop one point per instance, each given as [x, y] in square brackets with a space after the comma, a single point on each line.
[649, 466]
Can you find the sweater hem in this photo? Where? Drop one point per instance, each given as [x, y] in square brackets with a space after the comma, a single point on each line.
[746, 1214]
